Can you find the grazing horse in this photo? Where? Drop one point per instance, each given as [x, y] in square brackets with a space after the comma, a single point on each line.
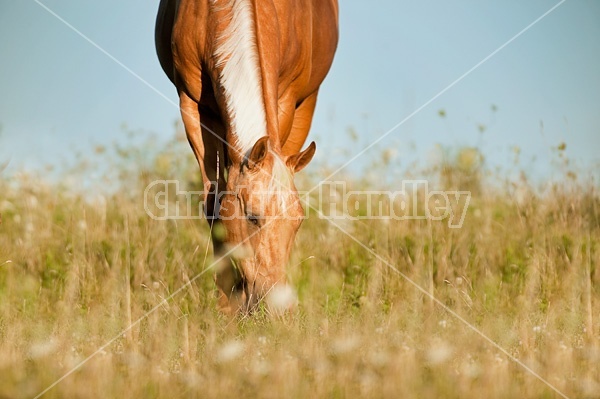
[247, 73]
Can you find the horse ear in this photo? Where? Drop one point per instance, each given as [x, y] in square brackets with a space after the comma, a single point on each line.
[258, 152]
[298, 161]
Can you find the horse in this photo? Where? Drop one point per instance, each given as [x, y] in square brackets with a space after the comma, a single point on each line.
[248, 73]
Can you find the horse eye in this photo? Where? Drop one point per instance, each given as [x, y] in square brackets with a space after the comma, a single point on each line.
[253, 219]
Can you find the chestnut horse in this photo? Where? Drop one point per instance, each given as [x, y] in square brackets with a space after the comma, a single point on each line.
[247, 73]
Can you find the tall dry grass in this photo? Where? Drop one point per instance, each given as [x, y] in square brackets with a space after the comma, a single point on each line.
[76, 269]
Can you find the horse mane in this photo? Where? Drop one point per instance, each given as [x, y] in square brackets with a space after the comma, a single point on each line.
[281, 180]
[237, 54]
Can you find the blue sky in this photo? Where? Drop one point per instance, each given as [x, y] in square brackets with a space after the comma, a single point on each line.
[59, 93]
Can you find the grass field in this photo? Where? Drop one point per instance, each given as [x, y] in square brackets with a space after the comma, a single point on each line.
[77, 269]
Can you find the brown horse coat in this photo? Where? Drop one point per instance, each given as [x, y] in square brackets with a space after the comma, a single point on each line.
[245, 69]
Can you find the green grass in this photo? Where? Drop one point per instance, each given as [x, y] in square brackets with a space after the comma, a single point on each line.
[75, 271]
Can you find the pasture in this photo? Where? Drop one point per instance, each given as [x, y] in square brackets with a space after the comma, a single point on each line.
[76, 269]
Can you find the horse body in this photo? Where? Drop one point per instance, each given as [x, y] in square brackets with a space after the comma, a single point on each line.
[248, 73]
